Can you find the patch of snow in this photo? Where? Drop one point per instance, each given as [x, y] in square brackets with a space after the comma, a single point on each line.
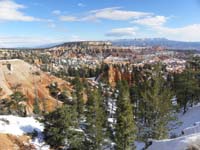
[19, 125]
[112, 106]
[188, 119]
[14, 125]
[92, 78]
[191, 128]
[111, 120]
[180, 143]
[39, 143]
[139, 145]
[77, 130]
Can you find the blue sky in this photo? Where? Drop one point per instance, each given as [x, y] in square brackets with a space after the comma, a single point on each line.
[37, 22]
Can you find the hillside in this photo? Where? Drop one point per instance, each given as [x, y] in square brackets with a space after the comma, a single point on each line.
[19, 75]
[181, 143]
[191, 128]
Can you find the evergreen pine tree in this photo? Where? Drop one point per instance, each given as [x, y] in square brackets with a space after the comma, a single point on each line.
[79, 97]
[156, 106]
[60, 129]
[36, 107]
[186, 88]
[125, 125]
[95, 118]
[17, 103]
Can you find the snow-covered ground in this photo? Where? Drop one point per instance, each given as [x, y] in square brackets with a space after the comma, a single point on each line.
[22, 125]
[191, 128]
[190, 125]
[180, 143]
[188, 119]
[19, 125]
[139, 145]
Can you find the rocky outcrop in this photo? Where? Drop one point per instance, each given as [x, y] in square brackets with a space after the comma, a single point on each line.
[31, 81]
[11, 142]
[115, 74]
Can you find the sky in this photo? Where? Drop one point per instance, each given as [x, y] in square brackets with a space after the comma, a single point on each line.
[37, 22]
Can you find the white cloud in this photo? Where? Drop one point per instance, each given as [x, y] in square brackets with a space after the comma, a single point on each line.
[81, 5]
[68, 18]
[11, 11]
[112, 13]
[189, 33]
[76, 38]
[56, 12]
[51, 25]
[115, 13]
[186, 33]
[157, 25]
[25, 41]
[151, 21]
[122, 32]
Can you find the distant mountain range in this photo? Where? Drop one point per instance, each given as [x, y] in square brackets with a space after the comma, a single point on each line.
[170, 44]
[158, 42]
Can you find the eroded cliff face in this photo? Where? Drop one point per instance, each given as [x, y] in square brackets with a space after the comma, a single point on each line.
[31, 81]
[115, 74]
[9, 142]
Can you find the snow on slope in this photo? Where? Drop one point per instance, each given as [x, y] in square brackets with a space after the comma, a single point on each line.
[188, 119]
[180, 143]
[21, 125]
[190, 125]
[139, 145]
